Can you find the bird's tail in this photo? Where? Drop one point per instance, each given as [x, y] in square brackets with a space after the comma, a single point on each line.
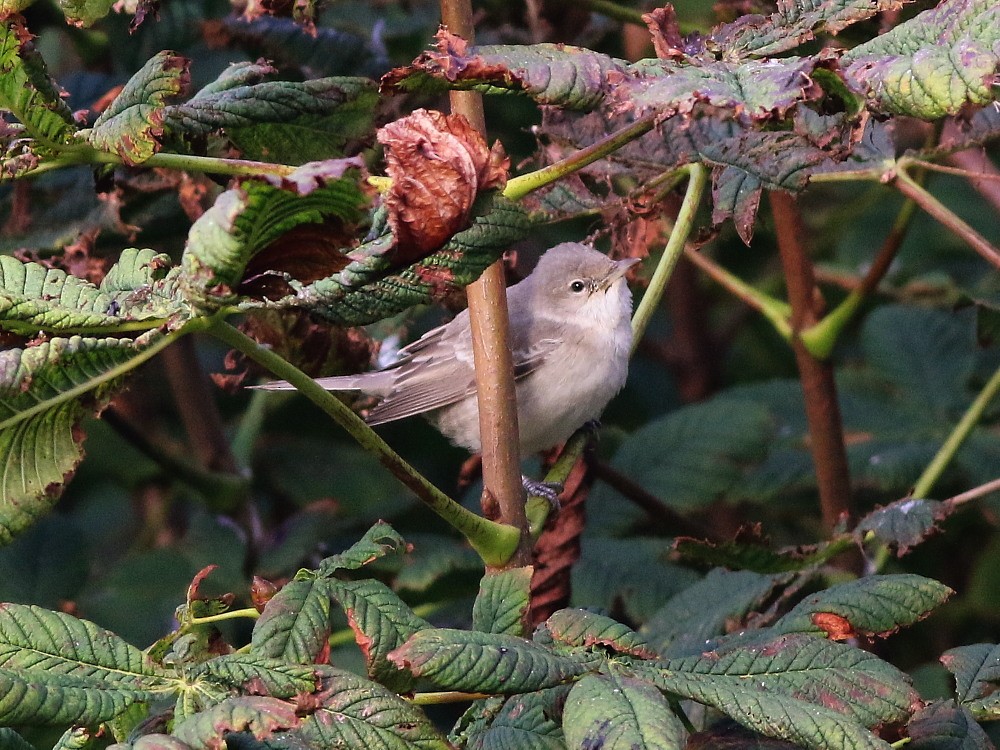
[366, 382]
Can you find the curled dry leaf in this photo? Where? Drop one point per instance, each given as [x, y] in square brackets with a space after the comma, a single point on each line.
[438, 164]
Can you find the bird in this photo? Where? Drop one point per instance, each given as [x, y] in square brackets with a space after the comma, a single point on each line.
[570, 337]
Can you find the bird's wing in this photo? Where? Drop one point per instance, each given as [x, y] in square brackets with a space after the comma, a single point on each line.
[425, 384]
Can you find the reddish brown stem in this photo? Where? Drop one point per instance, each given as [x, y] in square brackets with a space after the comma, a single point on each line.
[905, 184]
[697, 371]
[491, 350]
[826, 433]
[983, 173]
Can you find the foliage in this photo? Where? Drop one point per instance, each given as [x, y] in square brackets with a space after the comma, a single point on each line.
[700, 600]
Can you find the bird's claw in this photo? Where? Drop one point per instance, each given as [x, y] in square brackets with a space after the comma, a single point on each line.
[546, 490]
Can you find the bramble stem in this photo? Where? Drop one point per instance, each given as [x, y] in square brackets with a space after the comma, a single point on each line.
[494, 542]
[697, 179]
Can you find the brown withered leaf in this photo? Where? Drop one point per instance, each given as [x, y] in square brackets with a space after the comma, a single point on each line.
[307, 253]
[438, 164]
[665, 32]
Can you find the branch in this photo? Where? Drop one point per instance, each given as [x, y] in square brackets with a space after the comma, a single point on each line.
[826, 430]
[494, 362]
[188, 162]
[494, 542]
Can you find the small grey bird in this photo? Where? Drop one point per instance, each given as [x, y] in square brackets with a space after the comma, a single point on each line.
[570, 334]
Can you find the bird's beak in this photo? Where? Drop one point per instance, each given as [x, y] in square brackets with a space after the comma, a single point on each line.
[620, 269]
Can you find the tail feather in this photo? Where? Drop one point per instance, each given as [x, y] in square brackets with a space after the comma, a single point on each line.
[367, 382]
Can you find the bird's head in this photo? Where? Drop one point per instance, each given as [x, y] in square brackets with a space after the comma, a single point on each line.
[577, 281]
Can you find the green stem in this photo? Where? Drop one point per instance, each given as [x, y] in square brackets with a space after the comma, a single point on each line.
[187, 162]
[494, 542]
[961, 431]
[237, 614]
[821, 338]
[538, 508]
[432, 699]
[697, 179]
[776, 311]
[520, 186]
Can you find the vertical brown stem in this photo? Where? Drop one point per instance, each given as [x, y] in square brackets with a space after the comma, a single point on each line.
[697, 364]
[826, 433]
[491, 350]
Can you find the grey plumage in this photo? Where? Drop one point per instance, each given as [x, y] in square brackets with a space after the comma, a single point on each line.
[570, 338]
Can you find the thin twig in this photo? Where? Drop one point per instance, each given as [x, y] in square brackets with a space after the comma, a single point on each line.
[982, 173]
[777, 312]
[908, 187]
[975, 493]
[653, 506]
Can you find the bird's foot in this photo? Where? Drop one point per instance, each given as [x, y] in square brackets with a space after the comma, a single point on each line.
[547, 490]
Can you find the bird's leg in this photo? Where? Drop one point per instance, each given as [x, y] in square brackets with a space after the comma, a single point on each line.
[547, 490]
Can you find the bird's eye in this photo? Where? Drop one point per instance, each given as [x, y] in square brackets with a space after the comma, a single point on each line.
[577, 286]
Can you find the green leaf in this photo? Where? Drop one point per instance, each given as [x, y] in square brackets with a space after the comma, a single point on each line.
[872, 606]
[133, 123]
[503, 601]
[245, 219]
[11, 740]
[791, 25]
[702, 611]
[486, 662]
[694, 455]
[36, 298]
[927, 354]
[932, 65]
[252, 673]
[609, 571]
[41, 410]
[33, 639]
[616, 712]
[581, 629]
[378, 542]
[558, 74]
[287, 122]
[27, 91]
[76, 738]
[153, 741]
[381, 622]
[752, 90]
[36, 698]
[295, 624]
[977, 677]
[354, 712]
[258, 715]
[520, 722]
[943, 725]
[368, 289]
[904, 523]
[85, 12]
[838, 677]
[752, 554]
